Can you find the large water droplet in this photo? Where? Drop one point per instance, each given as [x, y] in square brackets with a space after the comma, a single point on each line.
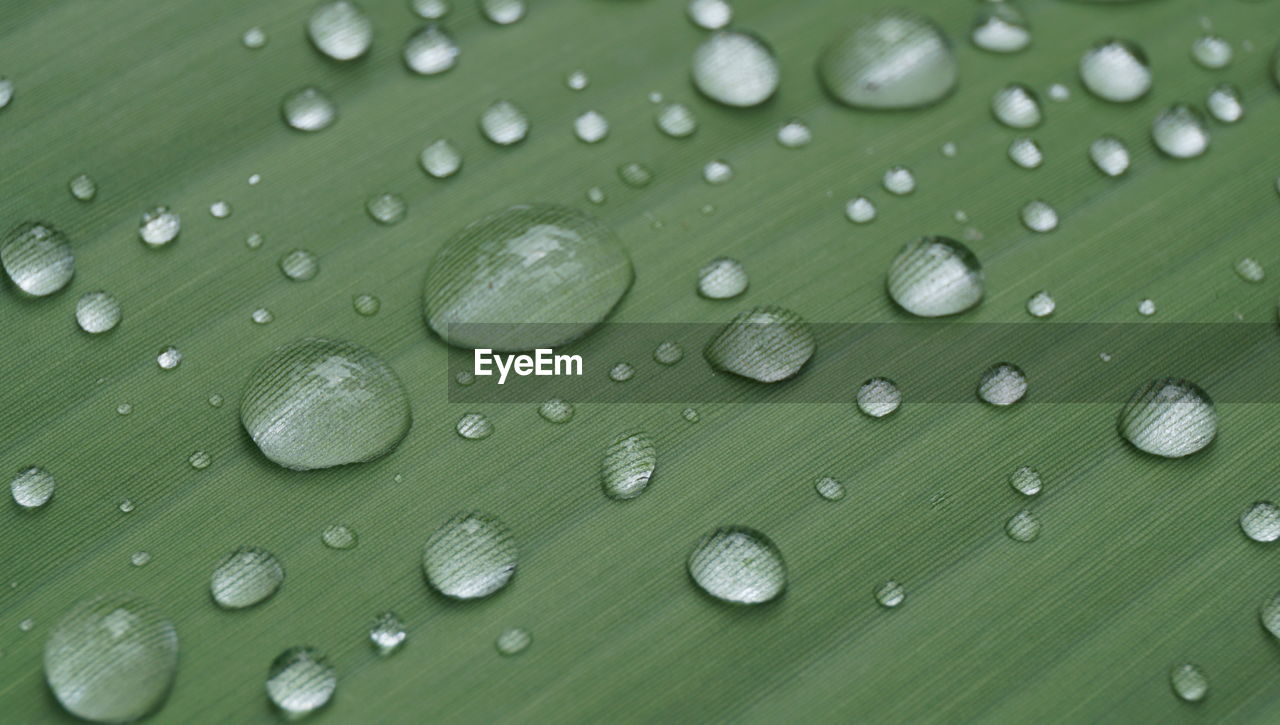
[722, 278]
[628, 465]
[676, 120]
[1169, 417]
[308, 109]
[1110, 155]
[112, 658]
[387, 633]
[1116, 70]
[38, 259]
[245, 577]
[1002, 384]
[504, 123]
[1180, 132]
[1017, 106]
[301, 680]
[1000, 27]
[431, 50]
[32, 488]
[1189, 682]
[317, 403]
[472, 555]
[738, 565]
[1212, 51]
[735, 68]
[539, 263]
[767, 344]
[340, 29]
[934, 277]
[891, 59]
[441, 159]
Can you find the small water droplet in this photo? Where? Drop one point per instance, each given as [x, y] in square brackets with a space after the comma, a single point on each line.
[255, 179]
[1189, 682]
[591, 127]
[1002, 384]
[27, 624]
[140, 558]
[6, 92]
[710, 14]
[254, 38]
[254, 240]
[169, 358]
[766, 344]
[474, 426]
[472, 555]
[1023, 526]
[690, 415]
[1039, 216]
[621, 372]
[668, 353]
[577, 80]
[717, 172]
[1026, 481]
[1225, 104]
[200, 460]
[124, 409]
[97, 312]
[308, 109]
[829, 488]
[1110, 155]
[1025, 152]
[1017, 106]
[300, 680]
[1116, 70]
[503, 12]
[628, 466]
[1000, 27]
[1147, 308]
[794, 134]
[676, 120]
[1059, 93]
[262, 316]
[890, 594]
[739, 565]
[1211, 51]
[504, 123]
[556, 410]
[596, 195]
[635, 175]
[899, 180]
[1041, 304]
[215, 400]
[513, 641]
[299, 265]
[430, 9]
[32, 488]
[722, 278]
[892, 59]
[126, 506]
[879, 397]
[735, 68]
[934, 277]
[366, 305]
[464, 377]
[38, 258]
[339, 536]
[245, 577]
[340, 29]
[441, 159]
[1270, 616]
[1250, 270]
[1169, 417]
[220, 209]
[388, 209]
[1261, 522]
[431, 50]
[1180, 132]
[860, 210]
[387, 633]
[949, 149]
[83, 187]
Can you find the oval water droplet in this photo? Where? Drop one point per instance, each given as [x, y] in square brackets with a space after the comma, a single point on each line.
[668, 353]
[722, 278]
[83, 187]
[200, 460]
[38, 258]
[591, 127]
[300, 680]
[1250, 270]
[366, 305]
[245, 577]
[387, 208]
[710, 14]
[474, 426]
[339, 536]
[254, 38]
[387, 634]
[794, 134]
[431, 50]
[739, 565]
[299, 265]
[1261, 522]
[577, 80]
[1110, 155]
[430, 9]
[1212, 51]
[635, 175]
[308, 109]
[1225, 104]
[1002, 384]
[1039, 216]
[829, 488]
[879, 397]
[32, 488]
[1000, 27]
[892, 59]
[767, 344]
[621, 372]
[556, 410]
[1189, 682]
[676, 120]
[1025, 152]
[513, 641]
[860, 210]
[1017, 106]
[1116, 70]
[736, 69]
[1270, 616]
[340, 29]
[503, 12]
[317, 403]
[472, 555]
[1169, 417]
[1026, 481]
[890, 594]
[504, 123]
[1023, 526]
[628, 465]
[934, 277]
[717, 172]
[441, 159]
[1041, 304]
[899, 180]
[1180, 132]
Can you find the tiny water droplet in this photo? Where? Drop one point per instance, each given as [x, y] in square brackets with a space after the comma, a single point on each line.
[215, 400]
[1041, 304]
[366, 305]
[717, 172]
[388, 209]
[160, 225]
[83, 187]
[474, 426]
[245, 577]
[1189, 682]
[254, 240]
[899, 180]
[710, 14]
[635, 175]
[596, 195]
[220, 210]
[1250, 270]
[464, 377]
[200, 460]
[1023, 526]
[668, 353]
[27, 624]
[308, 109]
[1147, 308]
[879, 397]
[504, 123]
[690, 415]
[1225, 104]
[1116, 70]
[97, 312]
[1039, 216]
[676, 120]
[262, 316]
[794, 134]
[339, 536]
[892, 59]
[934, 277]
[254, 38]
[621, 372]
[949, 149]
[577, 80]
[140, 558]
[472, 555]
[431, 50]
[1110, 155]
[503, 12]
[1212, 52]
[735, 68]
[387, 633]
[1000, 27]
[255, 179]
[38, 258]
[890, 594]
[1180, 132]
[299, 265]
[126, 506]
[739, 565]
[1026, 481]
[766, 344]
[169, 358]
[1025, 152]
[556, 410]
[340, 29]
[829, 488]
[860, 210]
[300, 680]
[6, 92]
[124, 409]
[722, 278]
[32, 488]
[591, 127]
[628, 466]
[441, 159]
[1017, 106]
[513, 641]
[1169, 417]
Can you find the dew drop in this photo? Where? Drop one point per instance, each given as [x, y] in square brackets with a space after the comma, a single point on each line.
[879, 397]
[1189, 682]
[591, 127]
[1110, 155]
[340, 29]
[794, 134]
[1270, 616]
[635, 175]
[1225, 104]
[890, 594]
[430, 9]
[1025, 152]
[1017, 106]
[124, 409]
[472, 555]
[32, 488]
[735, 68]
[140, 558]
[169, 358]
[1180, 132]
[1250, 270]
[245, 577]
[308, 109]
[1261, 522]
[690, 415]
[97, 312]
[577, 80]
[200, 460]
[556, 410]
[596, 195]
[668, 353]
[503, 12]
[254, 240]
[38, 258]
[441, 159]
[1169, 417]
[254, 38]
[628, 466]
[738, 565]
[366, 305]
[126, 506]
[299, 265]
[717, 172]
[829, 488]
[504, 123]
[388, 209]
[1059, 92]
[676, 120]
[387, 634]
[474, 426]
[892, 59]
[899, 181]
[262, 316]
[1039, 216]
[339, 536]
[1147, 308]
[710, 14]
[1026, 481]
[6, 92]
[934, 277]
[767, 344]
[1002, 384]
[1212, 52]
[83, 187]
[1116, 70]
[431, 50]
[513, 641]
[300, 680]
[215, 400]
[860, 210]
[1000, 27]
[1023, 526]
[1041, 304]
[722, 278]
[621, 372]
[160, 225]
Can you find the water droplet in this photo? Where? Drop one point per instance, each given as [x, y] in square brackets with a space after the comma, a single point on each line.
[83, 187]
[540, 263]
[472, 555]
[899, 181]
[1025, 152]
[676, 120]
[635, 175]
[262, 316]
[577, 80]
[38, 258]
[1180, 132]
[934, 277]
[474, 426]
[1250, 270]
[124, 409]
[717, 172]
[628, 466]
[1041, 304]
[949, 149]
[388, 633]
[1270, 616]
[1000, 27]
[1169, 417]
[215, 400]
[1261, 522]
[27, 624]
[1059, 92]
[299, 265]
[690, 415]
[6, 92]
[126, 506]
[1039, 216]
[738, 565]
[200, 460]
[1017, 106]
[245, 577]
[1026, 481]
[220, 210]
[1212, 51]
[430, 9]
[169, 358]
[1110, 155]
[308, 109]
[254, 38]
[32, 488]
[338, 536]
[366, 305]
[556, 410]
[596, 195]
[890, 594]
[340, 29]
[879, 397]
[1225, 104]
[255, 179]
[591, 127]
[464, 377]
[1116, 70]
[1147, 308]
[513, 641]
[829, 488]
[317, 403]
[160, 225]
[1189, 682]
[1002, 384]
[504, 124]
[710, 14]
[794, 134]
[860, 210]
[441, 159]
[668, 353]
[112, 658]
[503, 12]
[254, 240]
[387, 208]
[735, 68]
[766, 344]
[722, 278]
[430, 50]
[97, 312]
[621, 372]
[140, 558]
[1023, 526]
[891, 59]
[301, 680]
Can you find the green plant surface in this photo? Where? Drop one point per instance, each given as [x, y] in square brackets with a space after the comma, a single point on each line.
[1140, 565]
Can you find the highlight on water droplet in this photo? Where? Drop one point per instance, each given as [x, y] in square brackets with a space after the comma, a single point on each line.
[668, 352]
[899, 180]
[169, 358]
[1250, 270]
[1212, 51]
[299, 265]
[1039, 216]
[471, 556]
[339, 536]
[738, 565]
[200, 460]
[710, 14]
[1225, 104]
[635, 174]
[591, 127]
[503, 12]
[794, 134]
[1025, 152]
[366, 305]
[387, 208]
[83, 187]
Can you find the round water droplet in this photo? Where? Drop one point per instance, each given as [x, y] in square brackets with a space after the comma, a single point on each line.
[539, 263]
[1041, 304]
[1017, 106]
[254, 38]
[1116, 70]
[317, 403]
[668, 353]
[299, 265]
[717, 172]
[1261, 522]
[169, 358]
[254, 240]
[710, 14]
[430, 9]
[140, 558]
[441, 159]
[1110, 155]
[503, 12]
[1212, 52]
[220, 210]
[738, 565]
[879, 397]
[474, 426]
[301, 680]
[676, 120]
[596, 195]
[32, 488]
[340, 29]
[934, 277]
[1026, 481]
[160, 225]
[722, 278]
[262, 316]
[1180, 132]
[245, 577]
[200, 460]
[513, 641]
[1039, 216]
[860, 210]
[38, 258]
[83, 187]
[1000, 27]
[112, 658]
[1060, 93]
[431, 50]
[504, 123]
[899, 181]
[794, 134]
[891, 59]
[1169, 417]
[387, 633]
[767, 344]
[621, 372]
[338, 536]
[97, 312]
[1250, 270]
[635, 175]
[1002, 384]
[1023, 526]
[829, 488]
[628, 465]
[1025, 152]
[308, 109]
[556, 410]
[735, 68]
[591, 127]
[890, 594]
[1225, 104]
[472, 555]
[1146, 308]
[577, 80]
[1189, 682]
[388, 209]
[366, 305]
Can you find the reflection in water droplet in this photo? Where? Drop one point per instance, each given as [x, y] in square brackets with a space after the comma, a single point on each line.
[308, 109]
[387, 633]
[829, 488]
[1039, 216]
[32, 488]
[1180, 132]
[1000, 27]
[860, 210]
[1002, 384]
[710, 14]
[1023, 526]
[245, 577]
[891, 59]
[472, 555]
[556, 410]
[735, 68]
[300, 680]
[1212, 52]
[767, 344]
[934, 277]
[591, 127]
[441, 159]
[474, 426]
[1041, 304]
[676, 120]
[1169, 417]
[1261, 521]
[890, 594]
[738, 565]
[1017, 106]
[1026, 481]
[299, 265]
[513, 641]
[387, 208]
[83, 187]
[504, 123]
[628, 466]
[431, 50]
[879, 397]
[722, 278]
[1110, 155]
[340, 29]
[1116, 70]
[1189, 682]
